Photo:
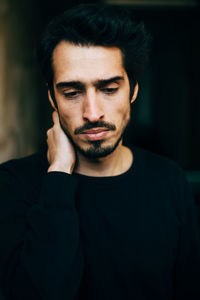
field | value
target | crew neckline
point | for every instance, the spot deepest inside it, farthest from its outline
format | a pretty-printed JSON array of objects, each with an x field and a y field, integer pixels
[{"x": 110, "y": 179}]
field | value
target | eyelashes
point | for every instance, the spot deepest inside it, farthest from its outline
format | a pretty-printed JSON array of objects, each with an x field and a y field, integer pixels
[{"x": 76, "y": 94}]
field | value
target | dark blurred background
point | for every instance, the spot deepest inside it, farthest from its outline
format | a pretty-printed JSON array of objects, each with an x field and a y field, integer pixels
[{"x": 166, "y": 115}]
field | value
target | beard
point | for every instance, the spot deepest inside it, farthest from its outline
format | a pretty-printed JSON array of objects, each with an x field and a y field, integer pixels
[{"x": 96, "y": 149}]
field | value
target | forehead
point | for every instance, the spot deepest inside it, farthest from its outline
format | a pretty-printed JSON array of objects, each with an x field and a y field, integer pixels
[{"x": 73, "y": 62}]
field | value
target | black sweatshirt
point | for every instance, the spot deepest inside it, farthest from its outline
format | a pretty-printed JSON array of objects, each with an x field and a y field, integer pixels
[{"x": 132, "y": 236}]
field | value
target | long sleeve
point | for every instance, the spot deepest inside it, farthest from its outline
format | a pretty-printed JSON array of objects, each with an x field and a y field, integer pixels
[
  {"x": 187, "y": 269},
  {"x": 40, "y": 251}
]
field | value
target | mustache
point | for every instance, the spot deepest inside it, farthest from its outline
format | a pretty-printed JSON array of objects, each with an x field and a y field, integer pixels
[{"x": 92, "y": 125}]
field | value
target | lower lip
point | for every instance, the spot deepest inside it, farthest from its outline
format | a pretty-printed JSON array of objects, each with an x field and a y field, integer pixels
[{"x": 95, "y": 136}]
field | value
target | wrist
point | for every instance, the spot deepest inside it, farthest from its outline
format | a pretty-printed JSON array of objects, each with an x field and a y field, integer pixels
[{"x": 60, "y": 168}]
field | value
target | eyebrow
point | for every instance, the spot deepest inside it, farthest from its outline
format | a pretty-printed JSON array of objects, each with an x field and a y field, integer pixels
[{"x": 79, "y": 85}]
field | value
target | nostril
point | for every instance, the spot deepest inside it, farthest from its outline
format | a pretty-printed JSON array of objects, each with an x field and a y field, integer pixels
[
  {"x": 92, "y": 117},
  {"x": 93, "y": 113}
]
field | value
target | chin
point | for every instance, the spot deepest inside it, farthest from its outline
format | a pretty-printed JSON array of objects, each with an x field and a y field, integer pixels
[{"x": 97, "y": 150}]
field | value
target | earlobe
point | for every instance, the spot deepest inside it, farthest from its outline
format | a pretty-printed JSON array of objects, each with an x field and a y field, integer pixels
[{"x": 135, "y": 93}]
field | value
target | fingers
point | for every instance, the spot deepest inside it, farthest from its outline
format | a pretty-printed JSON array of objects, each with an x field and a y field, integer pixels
[{"x": 55, "y": 118}]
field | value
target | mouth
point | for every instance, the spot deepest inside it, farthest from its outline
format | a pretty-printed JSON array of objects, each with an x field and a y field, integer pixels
[{"x": 95, "y": 134}]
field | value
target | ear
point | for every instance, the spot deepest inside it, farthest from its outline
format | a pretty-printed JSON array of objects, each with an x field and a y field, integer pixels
[
  {"x": 51, "y": 100},
  {"x": 135, "y": 92}
]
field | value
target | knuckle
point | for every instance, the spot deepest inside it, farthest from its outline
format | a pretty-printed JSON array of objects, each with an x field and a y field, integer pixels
[{"x": 48, "y": 132}]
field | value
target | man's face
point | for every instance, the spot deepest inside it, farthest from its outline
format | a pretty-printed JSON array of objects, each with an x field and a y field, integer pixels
[{"x": 93, "y": 96}]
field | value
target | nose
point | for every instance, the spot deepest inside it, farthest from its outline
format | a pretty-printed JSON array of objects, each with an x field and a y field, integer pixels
[{"x": 92, "y": 107}]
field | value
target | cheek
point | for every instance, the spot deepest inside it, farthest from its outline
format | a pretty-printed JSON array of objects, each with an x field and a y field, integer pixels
[
  {"x": 123, "y": 113},
  {"x": 66, "y": 117}
]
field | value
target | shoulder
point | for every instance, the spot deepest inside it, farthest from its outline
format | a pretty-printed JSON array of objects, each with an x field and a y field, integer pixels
[
  {"x": 160, "y": 172},
  {"x": 156, "y": 165},
  {"x": 165, "y": 177},
  {"x": 29, "y": 168},
  {"x": 21, "y": 181}
]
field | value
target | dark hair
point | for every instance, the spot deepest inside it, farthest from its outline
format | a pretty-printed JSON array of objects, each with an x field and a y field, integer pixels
[{"x": 97, "y": 25}]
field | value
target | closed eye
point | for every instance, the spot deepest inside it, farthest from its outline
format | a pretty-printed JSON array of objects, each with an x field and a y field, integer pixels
[
  {"x": 72, "y": 94},
  {"x": 109, "y": 90}
]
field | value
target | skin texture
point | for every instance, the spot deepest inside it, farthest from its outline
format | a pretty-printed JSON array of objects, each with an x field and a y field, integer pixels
[{"x": 93, "y": 112}]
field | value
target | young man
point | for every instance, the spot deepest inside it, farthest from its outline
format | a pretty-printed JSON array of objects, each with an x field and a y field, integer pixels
[{"x": 91, "y": 218}]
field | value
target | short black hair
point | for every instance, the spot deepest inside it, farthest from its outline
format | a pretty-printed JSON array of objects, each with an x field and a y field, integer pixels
[{"x": 97, "y": 25}]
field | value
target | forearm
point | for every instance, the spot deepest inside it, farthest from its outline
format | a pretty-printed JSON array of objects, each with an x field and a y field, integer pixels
[{"x": 49, "y": 257}]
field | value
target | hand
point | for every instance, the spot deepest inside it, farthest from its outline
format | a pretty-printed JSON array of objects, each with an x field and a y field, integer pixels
[{"x": 61, "y": 154}]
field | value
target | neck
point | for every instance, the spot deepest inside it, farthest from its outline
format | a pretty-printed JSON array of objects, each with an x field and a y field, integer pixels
[{"x": 116, "y": 163}]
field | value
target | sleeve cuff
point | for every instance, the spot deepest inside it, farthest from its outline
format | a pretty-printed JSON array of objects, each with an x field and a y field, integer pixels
[{"x": 58, "y": 190}]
